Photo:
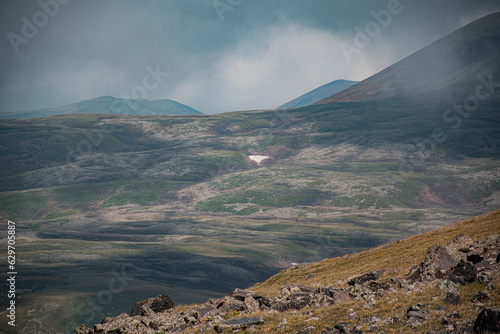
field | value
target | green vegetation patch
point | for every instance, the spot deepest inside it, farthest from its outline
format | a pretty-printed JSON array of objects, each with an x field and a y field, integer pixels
[{"x": 228, "y": 202}]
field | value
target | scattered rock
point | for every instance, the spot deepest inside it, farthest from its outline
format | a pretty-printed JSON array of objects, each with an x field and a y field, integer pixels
[
  {"x": 373, "y": 276},
  {"x": 370, "y": 302},
  {"x": 310, "y": 275},
  {"x": 306, "y": 330},
  {"x": 451, "y": 298},
  {"x": 337, "y": 295},
  {"x": 463, "y": 327},
  {"x": 454, "y": 315},
  {"x": 463, "y": 273},
  {"x": 342, "y": 327},
  {"x": 281, "y": 324},
  {"x": 229, "y": 304},
  {"x": 240, "y": 294},
  {"x": 488, "y": 321},
  {"x": 391, "y": 321},
  {"x": 480, "y": 296},
  {"x": 484, "y": 276},
  {"x": 460, "y": 262},
  {"x": 241, "y": 323},
  {"x": 479, "y": 306},
  {"x": 83, "y": 330},
  {"x": 156, "y": 304},
  {"x": 490, "y": 286},
  {"x": 459, "y": 246},
  {"x": 447, "y": 285},
  {"x": 416, "y": 315},
  {"x": 437, "y": 260}
]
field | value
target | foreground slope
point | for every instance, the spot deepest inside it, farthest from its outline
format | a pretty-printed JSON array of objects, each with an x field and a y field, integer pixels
[
  {"x": 446, "y": 71},
  {"x": 455, "y": 292},
  {"x": 110, "y": 105}
]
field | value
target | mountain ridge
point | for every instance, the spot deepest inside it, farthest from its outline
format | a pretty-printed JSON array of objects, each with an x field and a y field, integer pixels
[
  {"x": 109, "y": 104},
  {"x": 318, "y": 94}
]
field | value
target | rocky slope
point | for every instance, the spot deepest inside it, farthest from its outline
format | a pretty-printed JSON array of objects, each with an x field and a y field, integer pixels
[{"x": 453, "y": 288}]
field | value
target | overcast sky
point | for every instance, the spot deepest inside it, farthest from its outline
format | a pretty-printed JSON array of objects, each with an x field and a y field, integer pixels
[{"x": 220, "y": 55}]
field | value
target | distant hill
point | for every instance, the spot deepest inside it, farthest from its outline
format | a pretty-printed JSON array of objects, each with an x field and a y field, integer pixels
[
  {"x": 446, "y": 71},
  {"x": 318, "y": 94},
  {"x": 110, "y": 105}
]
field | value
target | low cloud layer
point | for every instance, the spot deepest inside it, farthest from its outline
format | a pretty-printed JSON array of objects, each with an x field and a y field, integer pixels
[{"x": 250, "y": 55}]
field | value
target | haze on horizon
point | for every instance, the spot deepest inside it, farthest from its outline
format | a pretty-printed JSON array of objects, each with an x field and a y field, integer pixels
[{"x": 240, "y": 55}]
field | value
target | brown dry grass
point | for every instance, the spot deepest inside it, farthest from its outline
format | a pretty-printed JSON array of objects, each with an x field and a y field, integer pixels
[{"x": 395, "y": 258}]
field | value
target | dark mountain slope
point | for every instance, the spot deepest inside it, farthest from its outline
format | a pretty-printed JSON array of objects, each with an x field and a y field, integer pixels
[{"x": 445, "y": 71}]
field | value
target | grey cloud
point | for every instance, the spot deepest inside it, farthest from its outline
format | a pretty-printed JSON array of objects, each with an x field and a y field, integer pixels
[{"x": 95, "y": 47}]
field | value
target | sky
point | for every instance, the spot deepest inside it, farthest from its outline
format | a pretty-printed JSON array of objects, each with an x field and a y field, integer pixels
[{"x": 213, "y": 55}]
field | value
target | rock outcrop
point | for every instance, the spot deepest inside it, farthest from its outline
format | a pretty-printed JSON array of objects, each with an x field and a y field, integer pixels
[{"x": 460, "y": 262}]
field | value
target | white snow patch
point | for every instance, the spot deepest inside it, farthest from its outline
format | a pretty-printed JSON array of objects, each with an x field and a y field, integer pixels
[{"x": 258, "y": 158}]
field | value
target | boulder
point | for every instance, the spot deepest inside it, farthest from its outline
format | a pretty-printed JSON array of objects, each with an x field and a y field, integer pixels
[
  {"x": 463, "y": 273},
  {"x": 83, "y": 330},
  {"x": 434, "y": 266},
  {"x": 230, "y": 304},
  {"x": 307, "y": 330},
  {"x": 240, "y": 294},
  {"x": 251, "y": 304},
  {"x": 298, "y": 288},
  {"x": 391, "y": 321},
  {"x": 451, "y": 298},
  {"x": 205, "y": 309},
  {"x": 157, "y": 304},
  {"x": 459, "y": 246},
  {"x": 373, "y": 276},
  {"x": 241, "y": 323},
  {"x": 479, "y": 296},
  {"x": 337, "y": 295},
  {"x": 463, "y": 327},
  {"x": 486, "y": 252},
  {"x": 416, "y": 315},
  {"x": 294, "y": 301},
  {"x": 488, "y": 321}
]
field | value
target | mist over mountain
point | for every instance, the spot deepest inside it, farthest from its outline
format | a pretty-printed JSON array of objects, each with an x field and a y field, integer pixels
[
  {"x": 446, "y": 71},
  {"x": 318, "y": 94},
  {"x": 110, "y": 105}
]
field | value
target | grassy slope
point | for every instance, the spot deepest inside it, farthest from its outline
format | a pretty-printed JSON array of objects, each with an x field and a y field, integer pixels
[{"x": 397, "y": 257}]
